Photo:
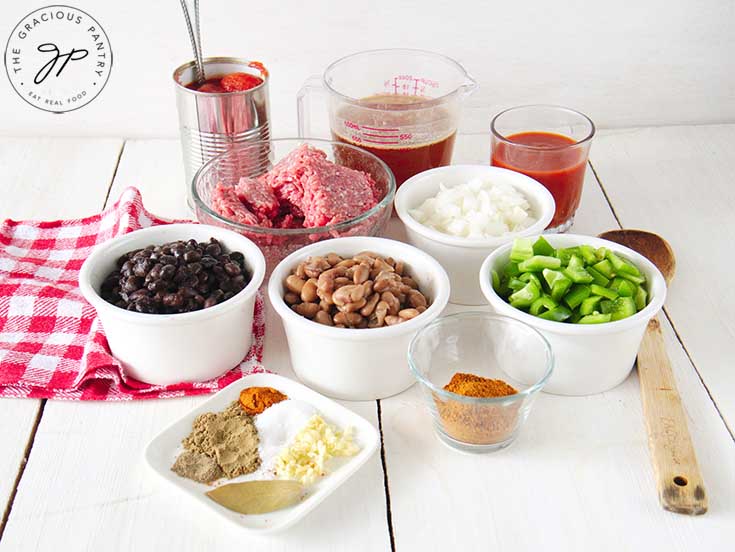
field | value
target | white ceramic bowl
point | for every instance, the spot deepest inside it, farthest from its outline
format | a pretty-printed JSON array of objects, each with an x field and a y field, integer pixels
[
  {"x": 357, "y": 364},
  {"x": 589, "y": 358},
  {"x": 163, "y": 349},
  {"x": 462, "y": 257}
]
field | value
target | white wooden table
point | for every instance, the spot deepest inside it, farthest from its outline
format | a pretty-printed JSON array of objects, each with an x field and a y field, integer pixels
[{"x": 579, "y": 477}]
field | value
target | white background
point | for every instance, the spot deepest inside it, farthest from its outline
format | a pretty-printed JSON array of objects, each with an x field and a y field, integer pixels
[{"x": 625, "y": 63}]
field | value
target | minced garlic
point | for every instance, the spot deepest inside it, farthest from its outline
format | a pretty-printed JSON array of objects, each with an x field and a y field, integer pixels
[{"x": 304, "y": 459}]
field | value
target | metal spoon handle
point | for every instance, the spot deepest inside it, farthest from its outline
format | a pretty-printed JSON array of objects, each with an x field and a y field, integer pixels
[{"x": 194, "y": 39}]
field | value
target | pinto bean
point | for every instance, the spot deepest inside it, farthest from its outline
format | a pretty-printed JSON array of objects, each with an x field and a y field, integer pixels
[
  {"x": 294, "y": 284},
  {"x": 308, "y": 291},
  {"x": 364, "y": 291}
]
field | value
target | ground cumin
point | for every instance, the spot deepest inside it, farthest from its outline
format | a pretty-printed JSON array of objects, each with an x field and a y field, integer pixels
[
  {"x": 229, "y": 438},
  {"x": 255, "y": 400},
  {"x": 479, "y": 424}
]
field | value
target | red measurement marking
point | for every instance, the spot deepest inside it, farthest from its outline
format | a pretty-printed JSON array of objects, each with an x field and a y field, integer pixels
[
  {"x": 379, "y": 142},
  {"x": 381, "y": 135},
  {"x": 382, "y": 129}
]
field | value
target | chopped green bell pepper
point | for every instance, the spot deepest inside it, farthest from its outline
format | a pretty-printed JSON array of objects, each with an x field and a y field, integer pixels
[
  {"x": 511, "y": 269},
  {"x": 542, "y": 303},
  {"x": 576, "y": 295},
  {"x": 516, "y": 283},
  {"x": 622, "y": 307},
  {"x": 526, "y": 296},
  {"x": 566, "y": 253},
  {"x": 528, "y": 276},
  {"x": 620, "y": 265},
  {"x": 638, "y": 280},
  {"x": 597, "y": 278},
  {"x": 605, "y": 268},
  {"x": 557, "y": 314},
  {"x": 641, "y": 298},
  {"x": 588, "y": 254},
  {"x": 522, "y": 249},
  {"x": 589, "y": 305},
  {"x": 538, "y": 262},
  {"x": 557, "y": 282},
  {"x": 595, "y": 319},
  {"x": 604, "y": 292},
  {"x": 623, "y": 287},
  {"x": 542, "y": 247},
  {"x": 578, "y": 275}
]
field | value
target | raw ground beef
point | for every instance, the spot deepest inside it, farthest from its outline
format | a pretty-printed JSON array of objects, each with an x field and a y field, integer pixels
[
  {"x": 304, "y": 189},
  {"x": 258, "y": 197},
  {"x": 227, "y": 204}
]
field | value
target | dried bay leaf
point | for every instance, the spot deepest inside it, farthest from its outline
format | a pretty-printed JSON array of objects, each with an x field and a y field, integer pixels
[{"x": 258, "y": 497}]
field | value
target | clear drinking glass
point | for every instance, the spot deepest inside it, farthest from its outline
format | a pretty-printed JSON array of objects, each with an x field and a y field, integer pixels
[
  {"x": 401, "y": 105},
  {"x": 550, "y": 144},
  {"x": 487, "y": 345}
]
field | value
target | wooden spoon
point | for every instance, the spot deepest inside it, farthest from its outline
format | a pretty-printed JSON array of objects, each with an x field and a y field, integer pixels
[{"x": 679, "y": 482}]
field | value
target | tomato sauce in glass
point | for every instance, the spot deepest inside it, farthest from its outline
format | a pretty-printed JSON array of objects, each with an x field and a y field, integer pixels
[{"x": 549, "y": 160}]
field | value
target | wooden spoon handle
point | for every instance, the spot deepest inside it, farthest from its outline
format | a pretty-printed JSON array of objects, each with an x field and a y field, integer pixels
[{"x": 679, "y": 482}]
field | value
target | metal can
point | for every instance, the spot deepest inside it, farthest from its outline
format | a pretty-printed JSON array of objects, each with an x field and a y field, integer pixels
[{"x": 212, "y": 123}]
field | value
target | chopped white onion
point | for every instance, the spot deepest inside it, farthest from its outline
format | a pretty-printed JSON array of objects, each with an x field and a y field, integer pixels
[{"x": 479, "y": 208}]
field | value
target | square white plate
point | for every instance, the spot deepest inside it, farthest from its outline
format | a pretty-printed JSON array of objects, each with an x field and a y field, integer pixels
[{"x": 163, "y": 449}]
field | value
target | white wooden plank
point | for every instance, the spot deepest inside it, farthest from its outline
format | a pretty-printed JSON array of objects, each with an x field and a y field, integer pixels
[
  {"x": 51, "y": 178},
  {"x": 579, "y": 477},
  {"x": 156, "y": 169},
  {"x": 678, "y": 181},
  {"x": 45, "y": 179},
  {"x": 79, "y": 443}
]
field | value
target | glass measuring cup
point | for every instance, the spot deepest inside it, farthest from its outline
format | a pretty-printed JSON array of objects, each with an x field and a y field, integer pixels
[{"x": 401, "y": 105}]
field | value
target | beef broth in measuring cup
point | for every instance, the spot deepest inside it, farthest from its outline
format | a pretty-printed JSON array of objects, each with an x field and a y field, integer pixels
[
  {"x": 401, "y": 130},
  {"x": 400, "y": 105}
]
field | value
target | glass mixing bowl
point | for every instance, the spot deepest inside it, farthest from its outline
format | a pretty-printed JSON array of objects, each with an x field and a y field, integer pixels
[
  {"x": 256, "y": 158},
  {"x": 487, "y": 345}
]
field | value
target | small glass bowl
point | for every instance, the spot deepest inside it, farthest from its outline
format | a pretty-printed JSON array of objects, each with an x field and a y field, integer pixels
[
  {"x": 487, "y": 345},
  {"x": 255, "y": 158}
]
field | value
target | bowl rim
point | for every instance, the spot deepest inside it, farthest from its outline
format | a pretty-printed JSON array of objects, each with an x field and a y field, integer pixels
[
  {"x": 534, "y": 188},
  {"x": 372, "y": 243},
  {"x": 649, "y": 311},
  {"x": 537, "y": 386},
  {"x": 251, "y": 252},
  {"x": 387, "y": 199}
]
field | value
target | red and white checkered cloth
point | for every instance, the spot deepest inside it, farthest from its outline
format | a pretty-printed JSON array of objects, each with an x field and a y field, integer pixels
[{"x": 52, "y": 344}]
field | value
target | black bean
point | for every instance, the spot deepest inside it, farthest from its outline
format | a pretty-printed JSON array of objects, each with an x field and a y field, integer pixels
[
  {"x": 213, "y": 249},
  {"x": 238, "y": 282},
  {"x": 178, "y": 276},
  {"x": 157, "y": 285},
  {"x": 208, "y": 261},
  {"x": 232, "y": 269},
  {"x": 131, "y": 283},
  {"x": 238, "y": 258},
  {"x": 193, "y": 256},
  {"x": 155, "y": 272},
  {"x": 195, "y": 267}
]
